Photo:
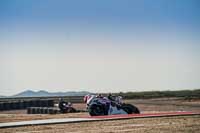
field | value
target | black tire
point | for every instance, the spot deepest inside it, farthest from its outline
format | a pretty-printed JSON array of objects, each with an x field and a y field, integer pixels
[
  {"x": 72, "y": 110},
  {"x": 96, "y": 110},
  {"x": 130, "y": 109}
]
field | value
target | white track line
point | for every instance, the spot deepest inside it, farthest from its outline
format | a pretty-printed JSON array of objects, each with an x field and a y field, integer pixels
[{"x": 73, "y": 120}]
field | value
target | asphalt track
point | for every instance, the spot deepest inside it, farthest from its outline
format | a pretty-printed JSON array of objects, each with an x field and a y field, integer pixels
[{"x": 96, "y": 118}]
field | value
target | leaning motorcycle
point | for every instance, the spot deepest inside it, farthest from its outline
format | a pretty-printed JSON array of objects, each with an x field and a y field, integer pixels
[{"x": 98, "y": 106}]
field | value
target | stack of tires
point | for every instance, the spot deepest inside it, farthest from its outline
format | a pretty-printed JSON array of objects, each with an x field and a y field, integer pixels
[
  {"x": 42, "y": 110},
  {"x": 15, "y": 105}
]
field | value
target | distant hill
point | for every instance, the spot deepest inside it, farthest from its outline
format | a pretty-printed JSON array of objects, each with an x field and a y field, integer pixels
[
  {"x": 42, "y": 93},
  {"x": 2, "y": 96}
]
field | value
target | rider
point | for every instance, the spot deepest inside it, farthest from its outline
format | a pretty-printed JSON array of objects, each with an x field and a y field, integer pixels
[
  {"x": 115, "y": 101},
  {"x": 64, "y": 106},
  {"x": 110, "y": 97},
  {"x": 89, "y": 98},
  {"x": 61, "y": 105}
]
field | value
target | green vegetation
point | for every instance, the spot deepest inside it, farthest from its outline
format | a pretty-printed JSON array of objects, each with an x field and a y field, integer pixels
[{"x": 187, "y": 94}]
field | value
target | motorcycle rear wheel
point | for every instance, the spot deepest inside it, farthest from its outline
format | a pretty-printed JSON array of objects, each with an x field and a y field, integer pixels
[{"x": 130, "y": 109}]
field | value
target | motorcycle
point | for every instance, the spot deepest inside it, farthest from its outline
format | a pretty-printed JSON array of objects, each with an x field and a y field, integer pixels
[
  {"x": 66, "y": 107},
  {"x": 98, "y": 106}
]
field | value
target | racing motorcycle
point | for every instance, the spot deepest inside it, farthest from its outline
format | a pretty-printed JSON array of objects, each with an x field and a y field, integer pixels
[
  {"x": 66, "y": 107},
  {"x": 98, "y": 106}
]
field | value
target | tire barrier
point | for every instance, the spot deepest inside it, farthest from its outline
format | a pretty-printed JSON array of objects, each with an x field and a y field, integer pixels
[
  {"x": 50, "y": 103},
  {"x": 42, "y": 110},
  {"x": 6, "y": 106},
  {"x": 47, "y": 110},
  {"x": 73, "y": 99},
  {"x": 1, "y": 106},
  {"x": 15, "y": 105}
]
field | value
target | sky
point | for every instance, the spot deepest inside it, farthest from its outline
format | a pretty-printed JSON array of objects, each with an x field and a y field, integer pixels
[{"x": 99, "y": 45}]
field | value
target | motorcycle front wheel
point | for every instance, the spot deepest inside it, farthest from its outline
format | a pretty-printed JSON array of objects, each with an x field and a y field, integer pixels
[{"x": 96, "y": 110}]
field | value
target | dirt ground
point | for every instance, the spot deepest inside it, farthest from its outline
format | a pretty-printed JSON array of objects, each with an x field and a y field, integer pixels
[
  {"x": 21, "y": 115},
  {"x": 181, "y": 124},
  {"x": 151, "y": 125}
]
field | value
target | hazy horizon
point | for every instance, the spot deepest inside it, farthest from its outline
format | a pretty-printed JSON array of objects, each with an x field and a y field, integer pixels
[
  {"x": 99, "y": 46},
  {"x": 92, "y": 92}
]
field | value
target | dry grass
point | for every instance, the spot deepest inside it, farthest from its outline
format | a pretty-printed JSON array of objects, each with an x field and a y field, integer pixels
[
  {"x": 181, "y": 124},
  {"x": 24, "y": 117}
]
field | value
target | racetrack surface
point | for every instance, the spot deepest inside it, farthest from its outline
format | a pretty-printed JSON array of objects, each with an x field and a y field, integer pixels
[
  {"x": 94, "y": 118},
  {"x": 178, "y": 124},
  {"x": 182, "y": 124}
]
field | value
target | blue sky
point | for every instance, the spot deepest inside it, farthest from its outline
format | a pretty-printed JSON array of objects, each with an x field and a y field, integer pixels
[{"x": 98, "y": 46}]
